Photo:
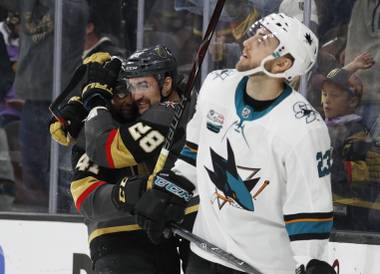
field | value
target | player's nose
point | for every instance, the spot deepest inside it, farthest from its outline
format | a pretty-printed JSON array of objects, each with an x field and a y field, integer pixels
[
  {"x": 137, "y": 95},
  {"x": 248, "y": 42}
]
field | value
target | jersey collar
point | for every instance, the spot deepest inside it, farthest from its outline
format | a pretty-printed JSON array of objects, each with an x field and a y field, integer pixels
[{"x": 246, "y": 111}]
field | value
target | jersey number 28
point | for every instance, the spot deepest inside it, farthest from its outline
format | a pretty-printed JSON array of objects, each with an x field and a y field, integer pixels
[{"x": 148, "y": 140}]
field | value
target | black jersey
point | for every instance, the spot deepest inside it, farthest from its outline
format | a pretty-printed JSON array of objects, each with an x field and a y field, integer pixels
[
  {"x": 114, "y": 146},
  {"x": 104, "y": 154}
]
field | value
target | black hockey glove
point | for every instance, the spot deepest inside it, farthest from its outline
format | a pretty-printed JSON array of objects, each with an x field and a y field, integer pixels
[
  {"x": 165, "y": 203},
  {"x": 128, "y": 191},
  {"x": 101, "y": 79},
  {"x": 316, "y": 267},
  {"x": 73, "y": 114}
]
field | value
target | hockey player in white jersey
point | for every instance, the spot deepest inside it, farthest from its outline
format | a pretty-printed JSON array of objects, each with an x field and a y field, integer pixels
[{"x": 259, "y": 156}]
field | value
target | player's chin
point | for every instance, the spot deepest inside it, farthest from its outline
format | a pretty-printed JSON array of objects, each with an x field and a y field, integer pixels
[
  {"x": 238, "y": 65},
  {"x": 242, "y": 66},
  {"x": 126, "y": 112}
]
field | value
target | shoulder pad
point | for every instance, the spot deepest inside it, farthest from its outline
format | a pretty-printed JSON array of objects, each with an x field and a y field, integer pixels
[{"x": 160, "y": 114}]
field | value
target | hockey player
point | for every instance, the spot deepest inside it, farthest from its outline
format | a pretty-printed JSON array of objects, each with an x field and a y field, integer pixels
[
  {"x": 112, "y": 153},
  {"x": 259, "y": 156}
]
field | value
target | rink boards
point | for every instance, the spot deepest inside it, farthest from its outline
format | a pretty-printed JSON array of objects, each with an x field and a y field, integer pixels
[{"x": 60, "y": 247}]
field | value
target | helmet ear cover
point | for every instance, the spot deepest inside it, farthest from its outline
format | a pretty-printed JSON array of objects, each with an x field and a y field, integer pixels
[{"x": 160, "y": 78}]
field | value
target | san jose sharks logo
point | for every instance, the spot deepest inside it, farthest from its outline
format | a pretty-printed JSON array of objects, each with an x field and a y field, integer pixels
[
  {"x": 304, "y": 110},
  {"x": 230, "y": 187}
]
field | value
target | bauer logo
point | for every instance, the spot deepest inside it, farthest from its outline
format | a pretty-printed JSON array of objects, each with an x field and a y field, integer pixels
[{"x": 2, "y": 261}]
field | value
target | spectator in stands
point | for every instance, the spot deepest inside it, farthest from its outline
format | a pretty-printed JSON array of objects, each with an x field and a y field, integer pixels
[
  {"x": 333, "y": 17},
  {"x": 225, "y": 48},
  {"x": 295, "y": 8},
  {"x": 341, "y": 94},
  {"x": 10, "y": 105},
  {"x": 364, "y": 35},
  {"x": 7, "y": 185},
  {"x": 34, "y": 82},
  {"x": 98, "y": 37}
]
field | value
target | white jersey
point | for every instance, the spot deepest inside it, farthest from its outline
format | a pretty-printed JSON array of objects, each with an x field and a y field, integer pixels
[{"x": 262, "y": 176}]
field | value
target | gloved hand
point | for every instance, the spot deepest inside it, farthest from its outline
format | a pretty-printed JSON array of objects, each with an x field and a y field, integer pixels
[
  {"x": 101, "y": 79},
  {"x": 128, "y": 191},
  {"x": 316, "y": 267},
  {"x": 73, "y": 114},
  {"x": 165, "y": 203}
]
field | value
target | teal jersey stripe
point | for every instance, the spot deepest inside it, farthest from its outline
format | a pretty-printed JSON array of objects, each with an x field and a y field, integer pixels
[{"x": 308, "y": 227}]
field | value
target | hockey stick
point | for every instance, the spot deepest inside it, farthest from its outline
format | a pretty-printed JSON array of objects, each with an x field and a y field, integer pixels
[
  {"x": 209, "y": 247},
  {"x": 202, "y": 49},
  {"x": 203, "y": 244},
  {"x": 61, "y": 98}
]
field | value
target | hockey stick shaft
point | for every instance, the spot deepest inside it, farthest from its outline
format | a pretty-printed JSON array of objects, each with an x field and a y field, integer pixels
[
  {"x": 62, "y": 97},
  {"x": 209, "y": 247},
  {"x": 201, "y": 52},
  {"x": 205, "y": 245}
]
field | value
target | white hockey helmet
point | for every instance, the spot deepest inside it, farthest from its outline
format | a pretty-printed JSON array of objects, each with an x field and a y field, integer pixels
[{"x": 295, "y": 39}]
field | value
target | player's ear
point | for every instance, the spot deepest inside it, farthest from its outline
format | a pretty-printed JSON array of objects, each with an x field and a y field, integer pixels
[
  {"x": 167, "y": 86},
  {"x": 282, "y": 64}
]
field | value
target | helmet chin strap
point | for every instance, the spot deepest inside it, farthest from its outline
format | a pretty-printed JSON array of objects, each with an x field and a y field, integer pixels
[{"x": 261, "y": 68}]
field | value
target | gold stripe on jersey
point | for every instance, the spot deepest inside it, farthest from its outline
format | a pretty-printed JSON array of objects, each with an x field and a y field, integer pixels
[
  {"x": 113, "y": 229},
  {"x": 191, "y": 209},
  {"x": 81, "y": 188},
  {"x": 118, "y": 154},
  {"x": 310, "y": 220}
]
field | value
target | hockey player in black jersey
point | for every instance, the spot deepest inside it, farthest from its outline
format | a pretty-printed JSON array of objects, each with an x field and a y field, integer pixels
[{"x": 116, "y": 143}]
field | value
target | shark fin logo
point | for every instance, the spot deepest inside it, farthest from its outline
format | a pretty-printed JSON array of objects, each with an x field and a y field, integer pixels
[{"x": 230, "y": 187}]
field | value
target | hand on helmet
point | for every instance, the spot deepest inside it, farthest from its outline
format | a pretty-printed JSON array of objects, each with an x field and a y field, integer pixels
[{"x": 101, "y": 79}]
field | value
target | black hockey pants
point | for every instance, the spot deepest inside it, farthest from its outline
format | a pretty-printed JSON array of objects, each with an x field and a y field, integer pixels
[{"x": 139, "y": 261}]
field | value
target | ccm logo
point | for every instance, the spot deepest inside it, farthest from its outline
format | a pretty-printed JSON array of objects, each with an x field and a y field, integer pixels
[{"x": 173, "y": 188}]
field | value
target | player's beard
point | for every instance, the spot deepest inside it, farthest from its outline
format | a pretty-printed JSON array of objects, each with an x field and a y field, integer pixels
[{"x": 244, "y": 65}]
